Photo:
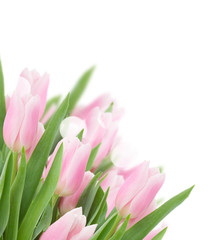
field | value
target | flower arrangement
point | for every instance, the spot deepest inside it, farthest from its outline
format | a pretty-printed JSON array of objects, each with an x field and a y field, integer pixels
[{"x": 57, "y": 177}]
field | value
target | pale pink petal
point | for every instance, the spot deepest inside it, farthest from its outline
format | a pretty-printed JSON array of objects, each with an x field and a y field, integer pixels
[
  {"x": 30, "y": 122},
  {"x": 132, "y": 186},
  {"x": 12, "y": 123},
  {"x": 146, "y": 195},
  {"x": 85, "y": 234}
]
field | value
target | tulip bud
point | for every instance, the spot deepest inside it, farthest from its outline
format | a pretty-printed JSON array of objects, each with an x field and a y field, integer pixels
[
  {"x": 139, "y": 190},
  {"x": 71, "y": 226},
  {"x": 75, "y": 157},
  {"x": 68, "y": 203}
]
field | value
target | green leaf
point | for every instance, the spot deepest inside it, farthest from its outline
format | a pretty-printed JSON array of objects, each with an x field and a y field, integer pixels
[
  {"x": 39, "y": 157},
  {"x": 1, "y": 163},
  {"x": 41, "y": 200},
  {"x": 110, "y": 108},
  {"x": 79, "y": 89},
  {"x": 105, "y": 164},
  {"x": 145, "y": 225},
  {"x": 5, "y": 198},
  {"x": 15, "y": 200},
  {"x": 52, "y": 101},
  {"x": 160, "y": 235},
  {"x": 86, "y": 199},
  {"x": 80, "y": 135},
  {"x": 97, "y": 206},
  {"x": 44, "y": 221},
  {"x": 2, "y": 106},
  {"x": 120, "y": 232},
  {"x": 92, "y": 157},
  {"x": 105, "y": 228}
]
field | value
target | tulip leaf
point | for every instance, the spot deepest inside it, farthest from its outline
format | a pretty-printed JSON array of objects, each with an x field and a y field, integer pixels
[
  {"x": 80, "y": 135},
  {"x": 44, "y": 221},
  {"x": 92, "y": 157},
  {"x": 1, "y": 162},
  {"x": 15, "y": 200},
  {"x": 144, "y": 226},
  {"x": 86, "y": 199},
  {"x": 79, "y": 89},
  {"x": 121, "y": 230},
  {"x": 105, "y": 228},
  {"x": 97, "y": 206},
  {"x": 105, "y": 164},
  {"x": 110, "y": 108},
  {"x": 51, "y": 102},
  {"x": 2, "y": 106},
  {"x": 160, "y": 235},
  {"x": 40, "y": 155},
  {"x": 3, "y": 174},
  {"x": 5, "y": 198},
  {"x": 41, "y": 200}
]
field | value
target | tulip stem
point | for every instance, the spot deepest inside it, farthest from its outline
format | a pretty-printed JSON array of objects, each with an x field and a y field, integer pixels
[
  {"x": 112, "y": 230},
  {"x": 15, "y": 158}
]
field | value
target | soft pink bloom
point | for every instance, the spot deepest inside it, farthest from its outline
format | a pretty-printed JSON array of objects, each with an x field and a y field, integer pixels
[
  {"x": 114, "y": 181},
  {"x": 68, "y": 203},
  {"x": 72, "y": 226},
  {"x": 39, "y": 86},
  {"x": 75, "y": 157},
  {"x": 139, "y": 190},
  {"x": 24, "y": 109}
]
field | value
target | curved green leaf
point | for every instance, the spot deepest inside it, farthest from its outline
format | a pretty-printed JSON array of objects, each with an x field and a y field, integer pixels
[
  {"x": 15, "y": 200},
  {"x": 121, "y": 230},
  {"x": 41, "y": 200},
  {"x": 52, "y": 101},
  {"x": 5, "y": 198},
  {"x": 39, "y": 157},
  {"x": 144, "y": 226},
  {"x": 160, "y": 235},
  {"x": 2, "y": 106},
  {"x": 92, "y": 156},
  {"x": 79, "y": 89}
]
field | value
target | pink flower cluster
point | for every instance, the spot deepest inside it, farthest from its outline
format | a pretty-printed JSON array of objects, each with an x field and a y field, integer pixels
[{"x": 132, "y": 191}]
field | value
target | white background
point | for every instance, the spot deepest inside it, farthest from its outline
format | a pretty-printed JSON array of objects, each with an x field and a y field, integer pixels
[{"x": 155, "y": 57}]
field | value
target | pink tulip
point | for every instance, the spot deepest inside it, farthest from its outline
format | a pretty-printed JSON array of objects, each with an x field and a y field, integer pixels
[
  {"x": 72, "y": 226},
  {"x": 75, "y": 157},
  {"x": 48, "y": 114},
  {"x": 39, "y": 86},
  {"x": 114, "y": 181},
  {"x": 139, "y": 190},
  {"x": 154, "y": 232},
  {"x": 68, "y": 203},
  {"x": 24, "y": 109}
]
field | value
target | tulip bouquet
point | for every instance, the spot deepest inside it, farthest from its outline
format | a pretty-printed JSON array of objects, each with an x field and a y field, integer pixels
[{"x": 58, "y": 177}]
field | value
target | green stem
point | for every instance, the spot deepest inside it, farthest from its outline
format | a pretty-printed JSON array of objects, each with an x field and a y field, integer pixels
[
  {"x": 15, "y": 158},
  {"x": 112, "y": 230}
]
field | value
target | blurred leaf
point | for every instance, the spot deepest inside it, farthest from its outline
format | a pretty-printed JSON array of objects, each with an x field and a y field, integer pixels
[
  {"x": 145, "y": 225},
  {"x": 52, "y": 101},
  {"x": 39, "y": 157},
  {"x": 110, "y": 108},
  {"x": 44, "y": 221},
  {"x": 15, "y": 200},
  {"x": 105, "y": 228},
  {"x": 92, "y": 157},
  {"x": 160, "y": 235},
  {"x": 121, "y": 230},
  {"x": 79, "y": 89},
  {"x": 105, "y": 164},
  {"x": 2, "y": 106},
  {"x": 41, "y": 200},
  {"x": 97, "y": 206},
  {"x": 5, "y": 198},
  {"x": 80, "y": 135}
]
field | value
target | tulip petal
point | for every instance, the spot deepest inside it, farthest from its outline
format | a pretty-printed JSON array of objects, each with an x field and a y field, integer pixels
[
  {"x": 30, "y": 122},
  {"x": 85, "y": 234}
]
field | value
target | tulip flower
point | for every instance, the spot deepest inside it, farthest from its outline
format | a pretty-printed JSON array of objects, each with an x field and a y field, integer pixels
[
  {"x": 24, "y": 109},
  {"x": 114, "y": 181},
  {"x": 139, "y": 190},
  {"x": 75, "y": 157},
  {"x": 71, "y": 226},
  {"x": 68, "y": 203}
]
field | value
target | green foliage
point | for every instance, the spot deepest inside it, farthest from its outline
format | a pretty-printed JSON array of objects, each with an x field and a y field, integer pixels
[
  {"x": 5, "y": 196},
  {"x": 41, "y": 200},
  {"x": 15, "y": 200},
  {"x": 92, "y": 157},
  {"x": 160, "y": 235},
  {"x": 144, "y": 226},
  {"x": 2, "y": 105}
]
